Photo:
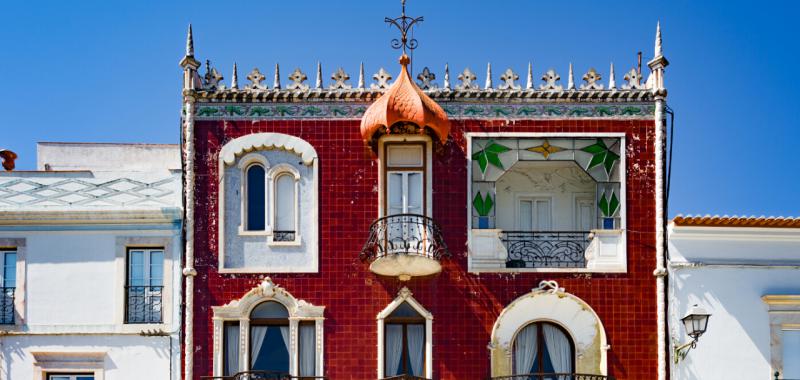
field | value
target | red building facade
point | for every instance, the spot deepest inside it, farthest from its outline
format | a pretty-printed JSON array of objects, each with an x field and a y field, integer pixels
[{"x": 404, "y": 228}]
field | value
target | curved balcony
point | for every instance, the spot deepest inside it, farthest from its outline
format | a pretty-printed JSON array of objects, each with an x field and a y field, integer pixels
[
  {"x": 263, "y": 375},
  {"x": 404, "y": 246},
  {"x": 553, "y": 376}
]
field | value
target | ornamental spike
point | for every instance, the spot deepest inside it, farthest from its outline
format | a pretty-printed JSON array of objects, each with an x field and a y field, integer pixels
[
  {"x": 189, "y": 43},
  {"x": 529, "y": 83},
  {"x": 612, "y": 83},
  {"x": 361, "y": 76},
  {"x": 235, "y": 78},
  {"x": 571, "y": 79},
  {"x": 658, "y": 49},
  {"x": 446, "y": 77},
  {"x": 488, "y": 85},
  {"x": 319, "y": 76},
  {"x": 276, "y": 84}
]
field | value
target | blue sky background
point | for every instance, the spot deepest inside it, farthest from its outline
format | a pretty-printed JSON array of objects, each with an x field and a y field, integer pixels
[{"x": 106, "y": 71}]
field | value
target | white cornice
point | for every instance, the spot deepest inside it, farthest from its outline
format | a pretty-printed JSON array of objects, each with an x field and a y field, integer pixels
[{"x": 54, "y": 217}]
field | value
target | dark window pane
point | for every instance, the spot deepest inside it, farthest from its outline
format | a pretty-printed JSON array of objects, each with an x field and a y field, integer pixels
[
  {"x": 255, "y": 198},
  {"x": 404, "y": 310},
  {"x": 273, "y": 355},
  {"x": 269, "y": 309}
]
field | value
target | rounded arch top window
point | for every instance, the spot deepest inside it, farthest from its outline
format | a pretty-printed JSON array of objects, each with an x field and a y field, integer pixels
[
  {"x": 256, "y": 198},
  {"x": 269, "y": 338},
  {"x": 269, "y": 310},
  {"x": 543, "y": 348}
]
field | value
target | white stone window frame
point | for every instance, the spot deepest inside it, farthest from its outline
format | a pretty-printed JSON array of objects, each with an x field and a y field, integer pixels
[
  {"x": 239, "y": 311},
  {"x": 488, "y": 240},
  {"x": 68, "y": 362},
  {"x": 18, "y": 245},
  {"x": 122, "y": 245},
  {"x": 244, "y": 165},
  {"x": 428, "y": 157},
  {"x": 784, "y": 314},
  {"x": 240, "y": 148},
  {"x": 550, "y": 303},
  {"x": 405, "y": 295},
  {"x": 272, "y": 217}
]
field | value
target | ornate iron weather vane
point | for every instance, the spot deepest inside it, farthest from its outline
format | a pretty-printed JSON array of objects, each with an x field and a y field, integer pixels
[{"x": 404, "y": 24}]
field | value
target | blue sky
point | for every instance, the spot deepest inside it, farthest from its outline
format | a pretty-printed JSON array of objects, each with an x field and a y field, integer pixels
[{"x": 107, "y": 71}]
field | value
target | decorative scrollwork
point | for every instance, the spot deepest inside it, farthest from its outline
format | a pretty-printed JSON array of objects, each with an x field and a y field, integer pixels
[
  {"x": 545, "y": 249},
  {"x": 7, "y": 306},
  {"x": 404, "y": 25},
  {"x": 144, "y": 304},
  {"x": 404, "y": 234}
]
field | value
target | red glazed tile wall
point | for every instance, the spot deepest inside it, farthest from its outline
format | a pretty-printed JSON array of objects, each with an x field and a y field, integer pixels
[{"x": 464, "y": 305}]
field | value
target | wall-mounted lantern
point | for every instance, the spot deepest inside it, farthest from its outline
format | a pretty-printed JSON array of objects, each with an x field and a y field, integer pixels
[{"x": 695, "y": 322}]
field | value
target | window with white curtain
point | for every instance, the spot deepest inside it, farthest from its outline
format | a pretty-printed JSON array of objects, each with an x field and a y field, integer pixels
[
  {"x": 269, "y": 338},
  {"x": 255, "y": 192},
  {"x": 231, "y": 348},
  {"x": 404, "y": 346},
  {"x": 285, "y": 207},
  {"x": 543, "y": 347}
]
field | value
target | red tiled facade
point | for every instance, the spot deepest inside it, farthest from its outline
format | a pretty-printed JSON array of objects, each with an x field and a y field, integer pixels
[{"x": 464, "y": 305}]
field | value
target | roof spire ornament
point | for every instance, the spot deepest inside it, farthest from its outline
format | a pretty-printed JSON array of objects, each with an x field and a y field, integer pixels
[
  {"x": 658, "y": 49},
  {"x": 361, "y": 76},
  {"x": 189, "y": 43},
  {"x": 404, "y": 25},
  {"x": 319, "y": 76},
  {"x": 529, "y": 84},
  {"x": 276, "y": 83},
  {"x": 446, "y": 77},
  {"x": 488, "y": 85},
  {"x": 612, "y": 82},
  {"x": 657, "y": 64},
  {"x": 235, "y": 78}
]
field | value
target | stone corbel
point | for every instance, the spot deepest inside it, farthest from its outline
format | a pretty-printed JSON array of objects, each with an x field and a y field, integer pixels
[
  {"x": 606, "y": 251},
  {"x": 486, "y": 249}
]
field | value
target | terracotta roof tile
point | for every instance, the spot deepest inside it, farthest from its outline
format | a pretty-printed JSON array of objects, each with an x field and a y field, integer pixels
[{"x": 736, "y": 221}]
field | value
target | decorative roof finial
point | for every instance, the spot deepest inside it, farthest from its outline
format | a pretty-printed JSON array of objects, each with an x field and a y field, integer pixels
[
  {"x": 529, "y": 84},
  {"x": 404, "y": 25},
  {"x": 361, "y": 76},
  {"x": 8, "y": 158},
  {"x": 190, "y": 43},
  {"x": 658, "y": 50},
  {"x": 276, "y": 83},
  {"x": 446, "y": 77},
  {"x": 571, "y": 79},
  {"x": 319, "y": 76},
  {"x": 488, "y": 84},
  {"x": 612, "y": 82},
  {"x": 235, "y": 78}
]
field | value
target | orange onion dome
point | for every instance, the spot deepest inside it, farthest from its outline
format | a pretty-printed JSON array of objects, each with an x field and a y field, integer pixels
[{"x": 404, "y": 101}]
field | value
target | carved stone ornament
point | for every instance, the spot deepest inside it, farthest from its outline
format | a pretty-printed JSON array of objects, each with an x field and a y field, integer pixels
[
  {"x": 508, "y": 78},
  {"x": 340, "y": 79},
  {"x": 592, "y": 78},
  {"x": 551, "y": 79},
  {"x": 634, "y": 81},
  {"x": 467, "y": 78},
  {"x": 551, "y": 286},
  {"x": 426, "y": 78},
  {"x": 297, "y": 77},
  {"x": 212, "y": 79},
  {"x": 382, "y": 77},
  {"x": 255, "y": 77}
]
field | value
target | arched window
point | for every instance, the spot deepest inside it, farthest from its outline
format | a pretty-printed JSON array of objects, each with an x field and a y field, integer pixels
[
  {"x": 255, "y": 196},
  {"x": 269, "y": 338},
  {"x": 404, "y": 346},
  {"x": 285, "y": 207},
  {"x": 543, "y": 348}
]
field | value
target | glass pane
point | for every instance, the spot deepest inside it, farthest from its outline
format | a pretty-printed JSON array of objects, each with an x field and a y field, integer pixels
[
  {"x": 307, "y": 350},
  {"x": 272, "y": 355},
  {"x": 405, "y": 155},
  {"x": 284, "y": 203},
  {"x": 136, "y": 268},
  {"x": 543, "y": 215},
  {"x": 270, "y": 309},
  {"x": 231, "y": 349},
  {"x": 59, "y": 377},
  {"x": 394, "y": 192},
  {"x": 404, "y": 310},
  {"x": 525, "y": 215},
  {"x": 255, "y": 198},
  {"x": 156, "y": 268},
  {"x": 415, "y": 192},
  {"x": 585, "y": 208},
  {"x": 10, "y": 270},
  {"x": 791, "y": 354},
  {"x": 83, "y": 377}
]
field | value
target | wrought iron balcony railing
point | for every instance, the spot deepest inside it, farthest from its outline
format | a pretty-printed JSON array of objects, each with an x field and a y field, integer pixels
[
  {"x": 263, "y": 375},
  {"x": 404, "y": 234},
  {"x": 283, "y": 235},
  {"x": 143, "y": 304},
  {"x": 405, "y": 377},
  {"x": 553, "y": 376},
  {"x": 7, "y": 306},
  {"x": 550, "y": 249}
]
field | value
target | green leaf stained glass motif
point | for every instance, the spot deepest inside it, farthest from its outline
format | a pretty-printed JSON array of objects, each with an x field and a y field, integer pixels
[
  {"x": 601, "y": 155},
  {"x": 608, "y": 207},
  {"x": 483, "y": 205},
  {"x": 489, "y": 155}
]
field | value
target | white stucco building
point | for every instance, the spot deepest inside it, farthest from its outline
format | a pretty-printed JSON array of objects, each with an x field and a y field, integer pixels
[
  {"x": 91, "y": 250},
  {"x": 746, "y": 273}
]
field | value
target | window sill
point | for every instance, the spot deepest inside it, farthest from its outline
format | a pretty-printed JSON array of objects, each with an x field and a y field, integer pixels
[{"x": 266, "y": 232}]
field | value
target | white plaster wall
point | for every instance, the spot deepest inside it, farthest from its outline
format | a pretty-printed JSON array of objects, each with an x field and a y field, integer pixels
[
  {"x": 737, "y": 343},
  {"x": 561, "y": 181},
  {"x": 107, "y": 156},
  {"x": 253, "y": 251},
  {"x": 127, "y": 357}
]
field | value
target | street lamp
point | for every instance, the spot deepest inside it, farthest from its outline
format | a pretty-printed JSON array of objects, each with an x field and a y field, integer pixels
[{"x": 695, "y": 322}]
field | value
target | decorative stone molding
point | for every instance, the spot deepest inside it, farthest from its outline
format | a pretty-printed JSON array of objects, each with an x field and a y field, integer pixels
[
  {"x": 467, "y": 78},
  {"x": 340, "y": 79},
  {"x": 784, "y": 314},
  {"x": 382, "y": 77},
  {"x": 508, "y": 79},
  {"x": 550, "y": 303},
  {"x": 426, "y": 78},
  {"x": 592, "y": 78},
  {"x": 297, "y": 77},
  {"x": 239, "y": 311},
  {"x": 238, "y": 146},
  {"x": 405, "y": 295},
  {"x": 634, "y": 81},
  {"x": 255, "y": 77},
  {"x": 551, "y": 79},
  {"x": 68, "y": 362}
]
